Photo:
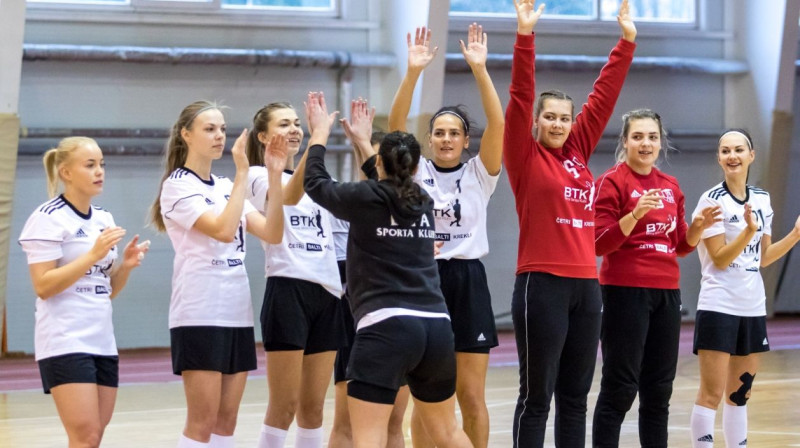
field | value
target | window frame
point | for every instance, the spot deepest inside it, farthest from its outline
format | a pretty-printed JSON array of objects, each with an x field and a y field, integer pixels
[
  {"x": 150, "y": 9},
  {"x": 597, "y": 18}
]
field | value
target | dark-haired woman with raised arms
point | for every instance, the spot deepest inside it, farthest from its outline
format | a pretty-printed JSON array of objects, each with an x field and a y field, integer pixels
[
  {"x": 403, "y": 332},
  {"x": 460, "y": 192},
  {"x": 211, "y": 312},
  {"x": 556, "y": 302}
]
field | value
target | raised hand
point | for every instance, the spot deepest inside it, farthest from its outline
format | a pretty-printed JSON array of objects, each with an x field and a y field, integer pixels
[
  {"x": 707, "y": 217},
  {"x": 108, "y": 238},
  {"x": 317, "y": 113},
  {"x": 420, "y": 53},
  {"x": 750, "y": 217},
  {"x": 475, "y": 51},
  {"x": 275, "y": 154},
  {"x": 359, "y": 127},
  {"x": 527, "y": 15},
  {"x": 239, "y": 153},
  {"x": 626, "y": 22},
  {"x": 649, "y": 200}
]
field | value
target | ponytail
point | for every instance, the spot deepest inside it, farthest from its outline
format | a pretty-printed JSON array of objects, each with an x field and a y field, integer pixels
[
  {"x": 56, "y": 157},
  {"x": 399, "y": 153},
  {"x": 175, "y": 152}
]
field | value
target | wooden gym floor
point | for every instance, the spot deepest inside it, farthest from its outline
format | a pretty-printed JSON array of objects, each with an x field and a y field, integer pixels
[{"x": 150, "y": 408}]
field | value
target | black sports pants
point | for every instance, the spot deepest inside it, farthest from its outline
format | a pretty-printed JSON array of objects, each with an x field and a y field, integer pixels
[
  {"x": 557, "y": 327},
  {"x": 640, "y": 336}
]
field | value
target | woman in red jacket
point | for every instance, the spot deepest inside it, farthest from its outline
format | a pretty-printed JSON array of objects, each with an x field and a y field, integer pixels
[
  {"x": 640, "y": 231},
  {"x": 556, "y": 302}
]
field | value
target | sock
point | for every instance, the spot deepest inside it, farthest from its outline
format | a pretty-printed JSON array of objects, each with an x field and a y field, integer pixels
[
  {"x": 218, "y": 441},
  {"x": 185, "y": 442},
  {"x": 734, "y": 425},
  {"x": 308, "y": 438},
  {"x": 271, "y": 437},
  {"x": 702, "y": 423}
]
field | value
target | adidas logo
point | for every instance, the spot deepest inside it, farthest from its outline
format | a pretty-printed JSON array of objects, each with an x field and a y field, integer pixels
[
  {"x": 636, "y": 194},
  {"x": 743, "y": 442},
  {"x": 428, "y": 182},
  {"x": 763, "y": 343},
  {"x": 706, "y": 438},
  {"x": 734, "y": 219},
  {"x": 481, "y": 338},
  {"x": 209, "y": 201},
  {"x": 80, "y": 234}
]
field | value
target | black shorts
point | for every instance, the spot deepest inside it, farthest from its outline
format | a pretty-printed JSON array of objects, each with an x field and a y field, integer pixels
[
  {"x": 466, "y": 292},
  {"x": 737, "y": 335},
  {"x": 300, "y": 315},
  {"x": 343, "y": 354},
  {"x": 227, "y": 350},
  {"x": 403, "y": 348},
  {"x": 79, "y": 368}
]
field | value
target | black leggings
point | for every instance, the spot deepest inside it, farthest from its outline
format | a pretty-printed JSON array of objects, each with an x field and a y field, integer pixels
[
  {"x": 640, "y": 337},
  {"x": 557, "y": 327}
]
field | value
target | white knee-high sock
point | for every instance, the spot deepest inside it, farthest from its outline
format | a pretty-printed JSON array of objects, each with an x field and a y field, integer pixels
[
  {"x": 185, "y": 442},
  {"x": 308, "y": 438},
  {"x": 702, "y": 423},
  {"x": 218, "y": 441},
  {"x": 734, "y": 425},
  {"x": 271, "y": 437}
]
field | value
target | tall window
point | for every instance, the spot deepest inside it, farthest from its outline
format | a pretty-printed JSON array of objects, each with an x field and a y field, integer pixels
[
  {"x": 238, "y": 4},
  {"x": 677, "y": 11}
]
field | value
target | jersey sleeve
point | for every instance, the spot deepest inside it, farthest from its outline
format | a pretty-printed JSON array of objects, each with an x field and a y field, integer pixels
[
  {"x": 717, "y": 228},
  {"x": 487, "y": 182},
  {"x": 182, "y": 204},
  {"x": 594, "y": 115},
  {"x": 768, "y": 214},
  {"x": 518, "y": 131},
  {"x": 41, "y": 238},
  {"x": 257, "y": 187},
  {"x": 682, "y": 248},
  {"x": 608, "y": 209},
  {"x": 338, "y": 198}
]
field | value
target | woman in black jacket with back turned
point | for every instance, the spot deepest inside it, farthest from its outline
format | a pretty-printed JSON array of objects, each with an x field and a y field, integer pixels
[{"x": 403, "y": 330}]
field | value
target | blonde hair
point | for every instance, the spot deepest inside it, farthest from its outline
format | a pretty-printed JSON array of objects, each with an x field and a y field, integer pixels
[
  {"x": 57, "y": 157},
  {"x": 175, "y": 152}
]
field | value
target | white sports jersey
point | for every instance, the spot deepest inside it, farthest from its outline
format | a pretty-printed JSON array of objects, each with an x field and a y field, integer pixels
[
  {"x": 340, "y": 229},
  {"x": 738, "y": 289},
  {"x": 78, "y": 319},
  {"x": 307, "y": 250},
  {"x": 209, "y": 280},
  {"x": 460, "y": 197}
]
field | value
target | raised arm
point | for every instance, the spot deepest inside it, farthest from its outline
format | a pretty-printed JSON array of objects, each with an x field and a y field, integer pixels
[
  {"x": 359, "y": 130},
  {"x": 594, "y": 116},
  {"x": 269, "y": 226},
  {"x": 223, "y": 227},
  {"x": 475, "y": 53},
  {"x": 517, "y": 134},
  {"x": 770, "y": 253},
  {"x": 420, "y": 55},
  {"x": 722, "y": 253}
]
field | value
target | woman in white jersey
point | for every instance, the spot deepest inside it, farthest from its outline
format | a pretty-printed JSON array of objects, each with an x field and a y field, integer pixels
[
  {"x": 71, "y": 247},
  {"x": 461, "y": 193},
  {"x": 301, "y": 321},
  {"x": 730, "y": 327},
  {"x": 211, "y": 315}
]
